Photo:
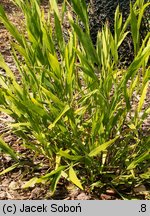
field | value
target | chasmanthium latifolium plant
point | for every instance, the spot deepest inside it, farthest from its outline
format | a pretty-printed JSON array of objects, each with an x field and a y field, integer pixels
[{"x": 73, "y": 102}]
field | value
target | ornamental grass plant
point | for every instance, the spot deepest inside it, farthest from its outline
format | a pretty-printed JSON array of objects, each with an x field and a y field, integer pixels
[{"x": 73, "y": 102}]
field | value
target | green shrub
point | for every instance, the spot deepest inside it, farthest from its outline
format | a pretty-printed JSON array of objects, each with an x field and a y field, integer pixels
[{"x": 73, "y": 103}]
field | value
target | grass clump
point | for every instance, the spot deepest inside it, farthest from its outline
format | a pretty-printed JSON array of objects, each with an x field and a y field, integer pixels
[{"x": 73, "y": 103}]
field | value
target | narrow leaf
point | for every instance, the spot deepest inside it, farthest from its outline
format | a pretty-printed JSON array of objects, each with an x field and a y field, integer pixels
[
  {"x": 73, "y": 177},
  {"x": 59, "y": 117},
  {"x": 102, "y": 147},
  {"x": 5, "y": 147},
  {"x": 9, "y": 169},
  {"x": 141, "y": 158},
  {"x": 30, "y": 183}
]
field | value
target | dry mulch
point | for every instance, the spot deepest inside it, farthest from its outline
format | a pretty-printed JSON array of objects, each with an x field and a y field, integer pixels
[{"x": 12, "y": 182}]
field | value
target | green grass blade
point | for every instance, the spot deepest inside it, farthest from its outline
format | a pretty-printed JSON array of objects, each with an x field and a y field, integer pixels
[
  {"x": 10, "y": 27},
  {"x": 9, "y": 169},
  {"x": 74, "y": 179},
  {"x": 30, "y": 183},
  {"x": 68, "y": 156},
  {"x": 6, "y": 149},
  {"x": 66, "y": 108},
  {"x": 143, "y": 96},
  {"x": 55, "y": 181},
  {"x": 139, "y": 159},
  {"x": 102, "y": 147}
]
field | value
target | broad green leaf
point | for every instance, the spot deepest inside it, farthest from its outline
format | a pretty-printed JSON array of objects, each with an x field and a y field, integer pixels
[
  {"x": 145, "y": 175},
  {"x": 53, "y": 97},
  {"x": 132, "y": 126},
  {"x": 30, "y": 183},
  {"x": 143, "y": 96},
  {"x": 66, "y": 108},
  {"x": 9, "y": 73},
  {"x": 54, "y": 6},
  {"x": 134, "y": 29},
  {"x": 138, "y": 61},
  {"x": 89, "y": 95},
  {"x": 81, "y": 110},
  {"x": 141, "y": 12},
  {"x": 53, "y": 172},
  {"x": 117, "y": 24},
  {"x": 86, "y": 65},
  {"x": 55, "y": 65},
  {"x": 36, "y": 102},
  {"x": 122, "y": 38},
  {"x": 87, "y": 43},
  {"x": 34, "y": 108},
  {"x": 102, "y": 147},
  {"x": 21, "y": 124},
  {"x": 57, "y": 161},
  {"x": 70, "y": 157},
  {"x": 74, "y": 179},
  {"x": 58, "y": 32},
  {"x": 139, "y": 159}
]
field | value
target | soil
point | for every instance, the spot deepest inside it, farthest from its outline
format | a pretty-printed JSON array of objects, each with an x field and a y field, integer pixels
[{"x": 12, "y": 182}]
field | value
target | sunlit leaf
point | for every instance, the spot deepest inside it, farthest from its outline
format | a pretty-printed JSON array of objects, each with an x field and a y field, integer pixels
[
  {"x": 139, "y": 159},
  {"x": 9, "y": 169},
  {"x": 30, "y": 183},
  {"x": 102, "y": 147},
  {"x": 74, "y": 179}
]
